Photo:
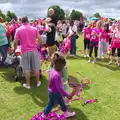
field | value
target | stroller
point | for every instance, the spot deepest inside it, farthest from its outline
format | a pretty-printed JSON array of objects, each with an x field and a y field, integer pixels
[{"x": 14, "y": 60}]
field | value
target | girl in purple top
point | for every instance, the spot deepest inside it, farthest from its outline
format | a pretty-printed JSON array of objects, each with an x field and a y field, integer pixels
[
  {"x": 94, "y": 40},
  {"x": 55, "y": 89}
]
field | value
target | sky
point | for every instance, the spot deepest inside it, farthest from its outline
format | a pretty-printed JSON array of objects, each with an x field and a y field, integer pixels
[{"x": 38, "y": 8}]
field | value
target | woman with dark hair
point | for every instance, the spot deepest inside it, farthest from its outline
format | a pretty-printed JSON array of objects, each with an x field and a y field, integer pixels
[
  {"x": 74, "y": 36},
  {"x": 94, "y": 42}
]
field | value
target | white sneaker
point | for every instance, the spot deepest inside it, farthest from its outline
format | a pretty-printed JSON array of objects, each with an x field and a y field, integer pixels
[
  {"x": 26, "y": 86},
  {"x": 110, "y": 62},
  {"x": 44, "y": 116},
  {"x": 89, "y": 61},
  {"x": 118, "y": 64},
  {"x": 102, "y": 57},
  {"x": 69, "y": 114},
  {"x": 94, "y": 61},
  {"x": 72, "y": 55},
  {"x": 38, "y": 84},
  {"x": 85, "y": 56}
]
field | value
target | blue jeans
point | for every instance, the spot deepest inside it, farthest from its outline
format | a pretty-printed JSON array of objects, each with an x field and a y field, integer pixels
[
  {"x": 73, "y": 45},
  {"x": 3, "y": 53},
  {"x": 18, "y": 42},
  {"x": 53, "y": 99}
]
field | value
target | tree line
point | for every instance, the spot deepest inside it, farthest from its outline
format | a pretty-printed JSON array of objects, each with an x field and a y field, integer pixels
[
  {"x": 60, "y": 14},
  {"x": 8, "y": 16}
]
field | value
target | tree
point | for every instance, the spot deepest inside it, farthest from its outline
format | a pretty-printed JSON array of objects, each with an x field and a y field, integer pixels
[
  {"x": 97, "y": 15},
  {"x": 59, "y": 12},
  {"x": 75, "y": 15},
  {"x": 11, "y": 15},
  {"x": 2, "y": 15}
]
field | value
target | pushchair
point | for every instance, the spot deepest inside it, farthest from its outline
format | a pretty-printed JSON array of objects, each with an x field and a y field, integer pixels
[{"x": 14, "y": 61}]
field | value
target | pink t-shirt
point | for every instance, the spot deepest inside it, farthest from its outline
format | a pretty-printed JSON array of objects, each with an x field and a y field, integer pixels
[
  {"x": 27, "y": 36},
  {"x": 104, "y": 36},
  {"x": 116, "y": 40},
  {"x": 94, "y": 35},
  {"x": 87, "y": 33}
]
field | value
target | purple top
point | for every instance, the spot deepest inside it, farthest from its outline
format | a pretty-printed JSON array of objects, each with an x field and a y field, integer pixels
[{"x": 55, "y": 83}]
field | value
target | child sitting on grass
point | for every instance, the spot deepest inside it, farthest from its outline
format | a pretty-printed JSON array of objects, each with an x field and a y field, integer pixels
[{"x": 55, "y": 89}]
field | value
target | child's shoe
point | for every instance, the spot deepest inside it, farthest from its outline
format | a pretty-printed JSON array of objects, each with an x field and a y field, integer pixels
[
  {"x": 44, "y": 116},
  {"x": 69, "y": 114},
  {"x": 38, "y": 84}
]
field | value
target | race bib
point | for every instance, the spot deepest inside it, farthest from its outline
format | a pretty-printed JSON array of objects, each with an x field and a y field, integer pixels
[
  {"x": 117, "y": 35},
  {"x": 88, "y": 36},
  {"x": 93, "y": 37}
]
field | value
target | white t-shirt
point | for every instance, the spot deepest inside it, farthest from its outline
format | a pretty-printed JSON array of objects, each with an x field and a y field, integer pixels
[
  {"x": 44, "y": 38},
  {"x": 72, "y": 30},
  {"x": 64, "y": 29}
]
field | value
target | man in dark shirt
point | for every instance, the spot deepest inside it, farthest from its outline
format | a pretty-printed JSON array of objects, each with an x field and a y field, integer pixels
[{"x": 51, "y": 31}]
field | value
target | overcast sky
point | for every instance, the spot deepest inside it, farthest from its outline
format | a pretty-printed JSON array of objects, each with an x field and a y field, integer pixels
[{"x": 38, "y": 8}]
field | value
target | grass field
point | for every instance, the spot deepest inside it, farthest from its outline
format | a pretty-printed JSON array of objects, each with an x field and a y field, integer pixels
[{"x": 17, "y": 103}]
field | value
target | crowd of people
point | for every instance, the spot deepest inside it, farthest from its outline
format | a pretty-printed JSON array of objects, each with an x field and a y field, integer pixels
[{"x": 102, "y": 36}]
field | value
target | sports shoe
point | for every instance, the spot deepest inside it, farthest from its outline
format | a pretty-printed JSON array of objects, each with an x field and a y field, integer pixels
[
  {"x": 89, "y": 60},
  {"x": 44, "y": 116},
  {"x": 69, "y": 114},
  {"x": 102, "y": 57},
  {"x": 85, "y": 56},
  {"x": 26, "y": 86},
  {"x": 38, "y": 84},
  {"x": 110, "y": 63},
  {"x": 118, "y": 64},
  {"x": 94, "y": 61}
]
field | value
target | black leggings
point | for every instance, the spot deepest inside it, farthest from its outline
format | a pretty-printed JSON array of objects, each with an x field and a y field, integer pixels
[
  {"x": 13, "y": 34},
  {"x": 118, "y": 51},
  {"x": 86, "y": 44},
  {"x": 57, "y": 44},
  {"x": 95, "y": 46},
  {"x": 110, "y": 40}
]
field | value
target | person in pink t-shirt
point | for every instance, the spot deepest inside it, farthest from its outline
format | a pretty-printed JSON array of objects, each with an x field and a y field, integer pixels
[
  {"x": 116, "y": 45},
  {"x": 104, "y": 39},
  {"x": 30, "y": 56},
  {"x": 94, "y": 40},
  {"x": 87, "y": 35}
]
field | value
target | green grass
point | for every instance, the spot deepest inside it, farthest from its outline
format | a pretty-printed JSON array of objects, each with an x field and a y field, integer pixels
[{"x": 17, "y": 103}]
